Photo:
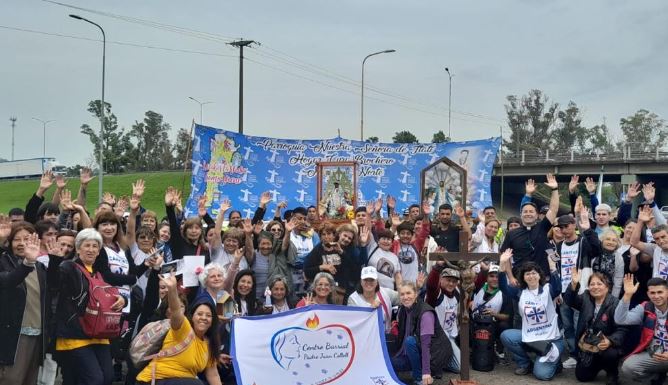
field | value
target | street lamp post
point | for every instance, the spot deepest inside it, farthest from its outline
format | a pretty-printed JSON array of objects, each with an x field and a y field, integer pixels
[
  {"x": 449, "y": 104},
  {"x": 102, "y": 112},
  {"x": 362, "y": 101},
  {"x": 44, "y": 123},
  {"x": 201, "y": 104}
]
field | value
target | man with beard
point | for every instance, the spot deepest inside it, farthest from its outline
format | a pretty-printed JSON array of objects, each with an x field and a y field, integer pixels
[{"x": 445, "y": 232}]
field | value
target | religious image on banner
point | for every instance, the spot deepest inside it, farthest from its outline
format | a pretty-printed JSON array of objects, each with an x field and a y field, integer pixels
[
  {"x": 314, "y": 345},
  {"x": 229, "y": 165},
  {"x": 336, "y": 189}
]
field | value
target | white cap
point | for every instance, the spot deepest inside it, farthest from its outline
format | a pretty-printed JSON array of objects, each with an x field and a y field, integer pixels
[
  {"x": 369, "y": 272},
  {"x": 493, "y": 268}
]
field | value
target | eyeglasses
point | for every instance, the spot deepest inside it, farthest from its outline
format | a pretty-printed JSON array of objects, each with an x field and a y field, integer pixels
[{"x": 275, "y": 230}]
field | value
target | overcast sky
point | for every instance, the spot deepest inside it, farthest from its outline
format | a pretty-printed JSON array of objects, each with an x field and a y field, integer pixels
[{"x": 610, "y": 57}]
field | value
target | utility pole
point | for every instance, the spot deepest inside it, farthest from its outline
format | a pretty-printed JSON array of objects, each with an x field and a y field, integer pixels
[
  {"x": 241, "y": 44},
  {"x": 501, "y": 161},
  {"x": 449, "y": 103},
  {"x": 13, "y": 120}
]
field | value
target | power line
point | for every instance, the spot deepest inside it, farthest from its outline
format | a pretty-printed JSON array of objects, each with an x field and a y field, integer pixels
[{"x": 115, "y": 42}]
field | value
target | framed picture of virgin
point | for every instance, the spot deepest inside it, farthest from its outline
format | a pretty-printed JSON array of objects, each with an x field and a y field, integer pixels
[{"x": 337, "y": 187}]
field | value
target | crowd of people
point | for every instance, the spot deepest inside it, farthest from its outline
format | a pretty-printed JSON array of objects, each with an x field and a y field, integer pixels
[{"x": 585, "y": 290}]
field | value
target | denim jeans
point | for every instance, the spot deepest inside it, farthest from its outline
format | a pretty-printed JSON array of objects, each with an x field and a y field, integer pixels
[
  {"x": 409, "y": 360},
  {"x": 569, "y": 320},
  {"x": 88, "y": 365},
  {"x": 512, "y": 340},
  {"x": 454, "y": 363}
]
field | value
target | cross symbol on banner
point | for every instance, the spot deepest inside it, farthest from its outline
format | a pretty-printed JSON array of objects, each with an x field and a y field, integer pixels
[{"x": 536, "y": 315}]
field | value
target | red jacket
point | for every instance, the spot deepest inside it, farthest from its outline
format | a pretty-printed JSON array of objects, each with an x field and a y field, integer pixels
[{"x": 648, "y": 326}]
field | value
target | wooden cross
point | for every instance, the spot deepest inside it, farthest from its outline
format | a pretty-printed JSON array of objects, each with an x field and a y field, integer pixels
[{"x": 463, "y": 261}]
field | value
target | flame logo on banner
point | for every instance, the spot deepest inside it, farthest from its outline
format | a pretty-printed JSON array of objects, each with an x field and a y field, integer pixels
[{"x": 313, "y": 323}]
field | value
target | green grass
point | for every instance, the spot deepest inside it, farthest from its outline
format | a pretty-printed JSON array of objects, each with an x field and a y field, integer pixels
[{"x": 16, "y": 193}]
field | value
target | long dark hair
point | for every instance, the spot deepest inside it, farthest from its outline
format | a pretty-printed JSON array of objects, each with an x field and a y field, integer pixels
[
  {"x": 527, "y": 267},
  {"x": 250, "y": 298},
  {"x": 212, "y": 333}
]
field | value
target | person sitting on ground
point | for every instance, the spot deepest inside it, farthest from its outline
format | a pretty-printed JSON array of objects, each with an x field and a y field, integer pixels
[
  {"x": 423, "y": 345},
  {"x": 489, "y": 300},
  {"x": 649, "y": 359},
  {"x": 540, "y": 329},
  {"x": 600, "y": 339},
  {"x": 370, "y": 294}
]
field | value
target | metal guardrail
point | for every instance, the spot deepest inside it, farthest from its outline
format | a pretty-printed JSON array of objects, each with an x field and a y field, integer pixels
[{"x": 543, "y": 157}]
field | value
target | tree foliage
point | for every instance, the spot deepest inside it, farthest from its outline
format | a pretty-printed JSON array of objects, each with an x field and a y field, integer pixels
[
  {"x": 372, "y": 139},
  {"x": 181, "y": 147},
  {"x": 644, "y": 131},
  {"x": 440, "y": 137},
  {"x": 116, "y": 142},
  {"x": 404, "y": 137}
]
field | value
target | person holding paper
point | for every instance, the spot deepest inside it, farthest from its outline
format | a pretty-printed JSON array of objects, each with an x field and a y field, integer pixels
[{"x": 190, "y": 240}]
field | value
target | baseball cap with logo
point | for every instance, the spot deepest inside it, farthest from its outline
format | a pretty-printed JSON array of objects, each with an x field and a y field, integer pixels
[{"x": 369, "y": 272}]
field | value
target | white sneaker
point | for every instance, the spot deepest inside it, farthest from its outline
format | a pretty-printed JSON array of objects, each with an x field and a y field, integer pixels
[{"x": 570, "y": 363}]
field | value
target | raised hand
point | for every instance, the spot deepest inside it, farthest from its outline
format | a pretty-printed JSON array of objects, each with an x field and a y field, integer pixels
[
  {"x": 630, "y": 288},
  {"x": 575, "y": 278},
  {"x": 419, "y": 282},
  {"x": 370, "y": 207},
  {"x": 109, "y": 198},
  {"x": 5, "y": 226},
  {"x": 308, "y": 299},
  {"x": 66, "y": 200},
  {"x": 169, "y": 280},
  {"x": 121, "y": 206},
  {"x": 505, "y": 257},
  {"x": 649, "y": 191},
  {"x": 61, "y": 182},
  {"x": 391, "y": 202},
  {"x": 257, "y": 228},
  {"x": 633, "y": 191},
  {"x": 396, "y": 220},
  {"x": 85, "y": 176},
  {"x": 529, "y": 187},
  {"x": 579, "y": 205},
  {"x": 573, "y": 184},
  {"x": 32, "y": 248},
  {"x": 53, "y": 248},
  {"x": 365, "y": 233},
  {"x": 591, "y": 185},
  {"x": 201, "y": 206},
  {"x": 290, "y": 225},
  {"x": 45, "y": 182},
  {"x": 584, "y": 219},
  {"x": 426, "y": 208},
  {"x": 459, "y": 211},
  {"x": 224, "y": 206},
  {"x": 134, "y": 203},
  {"x": 281, "y": 205},
  {"x": 177, "y": 200},
  {"x": 378, "y": 205},
  {"x": 248, "y": 226},
  {"x": 645, "y": 214},
  {"x": 138, "y": 188},
  {"x": 169, "y": 196},
  {"x": 265, "y": 198},
  {"x": 551, "y": 182},
  {"x": 238, "y": 254}
]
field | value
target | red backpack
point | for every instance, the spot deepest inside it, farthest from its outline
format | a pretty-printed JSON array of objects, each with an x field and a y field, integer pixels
[{"x": 99, "y": 321}]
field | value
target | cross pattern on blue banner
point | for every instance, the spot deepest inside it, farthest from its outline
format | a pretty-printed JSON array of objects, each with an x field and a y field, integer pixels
[{"x": 229, "y": 165}]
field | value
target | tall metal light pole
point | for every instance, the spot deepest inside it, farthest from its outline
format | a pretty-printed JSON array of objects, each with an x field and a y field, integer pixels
[
  {"x": 100, "y": 171},
  {"x": 200, "y": 107},
  {"x": 241, "y": 44},
  {"x": 362, "y": 101},
  {"x": 449, "y": 104},
  {"x": 44, "y": 123},
  {"x": 13, "y": 120}
]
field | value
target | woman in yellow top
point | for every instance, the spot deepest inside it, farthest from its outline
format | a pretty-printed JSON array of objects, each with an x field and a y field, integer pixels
[
  {"x": 200, "y": 356},
  {"x": 85, "y": 360}
]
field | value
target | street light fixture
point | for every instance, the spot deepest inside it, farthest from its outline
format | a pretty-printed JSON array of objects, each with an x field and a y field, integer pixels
[
  {"x": 362, "y": 101},
  {"x": 449, "y": 104},
  {"x": 200, "y": 107},
  {"x": 103, "y": 107},
  {"x": 44, "y": 123}
]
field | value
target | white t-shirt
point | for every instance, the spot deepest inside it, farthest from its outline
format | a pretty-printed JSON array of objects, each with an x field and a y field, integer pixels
[
  {"x": 569, "y": 261},
  {"x": 659, "y": 263},
  {"x": 385, "y": 262},
  {"x": 408, "y": 258},
  {"x": 539, "y": 317},
  {"x": 494, "y": 304},
  {"x": 118, "y": 264},
  {"x": 447, "y": 311},
  {"x": 224, "y": 259},
  {"x": 390, "y": 298}
]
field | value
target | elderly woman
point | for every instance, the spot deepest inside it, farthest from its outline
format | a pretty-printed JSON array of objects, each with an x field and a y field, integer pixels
[
  {"x": 84, "y": 360},
  {"x": 23, "y": 294},
  {"x": 321, "y": 291},
  {"x": 370, "y": 294},
  {"x": 200, "y": 355},
  {"x": 600, "y": 339},
  {"x": 610, "y": 262},
  {"x": 279, "y": 287},
  {"x": 424, "y": 347},
  {"x": 213, "y": 282},
  {"x": 540, "y": 330}
]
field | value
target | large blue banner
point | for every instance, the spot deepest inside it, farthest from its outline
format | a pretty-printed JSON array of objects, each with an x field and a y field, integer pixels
[{"x": 228, "y": 165}]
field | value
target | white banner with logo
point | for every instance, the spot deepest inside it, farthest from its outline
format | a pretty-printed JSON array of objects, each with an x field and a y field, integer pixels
[{"x": 313, "y": 345}]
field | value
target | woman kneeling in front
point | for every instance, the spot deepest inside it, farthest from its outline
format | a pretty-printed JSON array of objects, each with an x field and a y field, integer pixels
[{"x": 540, "y": 330}]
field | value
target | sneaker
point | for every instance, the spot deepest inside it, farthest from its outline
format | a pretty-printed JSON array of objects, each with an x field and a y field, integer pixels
[
  {"x": 570, "y": 363},
  {"x": 500, "y": 355},
  {"x": 522, "y": 371}
]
